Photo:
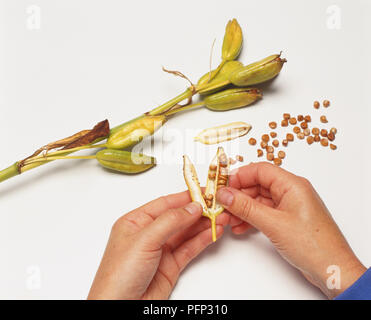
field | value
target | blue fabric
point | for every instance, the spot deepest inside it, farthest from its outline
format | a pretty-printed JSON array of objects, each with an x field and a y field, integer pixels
[{"x": 360, "y": 290}]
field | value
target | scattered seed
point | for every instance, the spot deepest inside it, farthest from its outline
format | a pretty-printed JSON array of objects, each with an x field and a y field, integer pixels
[
  {"x": 306, "y": 132},
  {"x": 275, "y": 143},
  {"x": 334, "y": 130},
  {"x": 317, "y": 138},
  {"x": 308, "y": 118},
  {"x": 239, "y": 158},
  {"x": 316, "y": 104},
  {"x": 260, "y": 152},
  {"x": 265, "y": 137},
  {"x": 277, "y": 161},
  {"x": 333, "y": 147},
  {"x": 286, "y": 116},
  {"x": 285, "y": 142},
  {"x": 310, "y": 140},
  {"x": 284, "y": 123},
  {"x": 300, "y": 135},
  {"x": 273, "y": 134},
  {"x": 296, "y": 129},
  {"x": 293, "y": 121},
  {"x": 331, "y": 136},
  {"x": 252, "y": 141},
  {"x": 270, "y": 149},
  {"x": 304, "y": 125},
  {"x": 315, "y": 131},
  {"x": 300, "y": 117},
  {"x": 290, "y": 137},
  {"x": 281, "y": 154},
  {"x": 324, "y": 142},
  {"x": 324, "y": 133},
  {"x": 273, "y": 125},
  {"x": 270, "y": 156},
  {"x": 263, "y": 144},
  {"x": 323, "y": 119},
  {"x": 326, "y": 103}
]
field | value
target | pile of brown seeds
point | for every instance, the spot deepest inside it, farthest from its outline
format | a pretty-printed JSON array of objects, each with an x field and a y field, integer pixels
[{"x": 302, "y": 130}]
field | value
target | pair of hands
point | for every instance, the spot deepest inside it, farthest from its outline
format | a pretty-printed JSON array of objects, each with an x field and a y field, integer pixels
[{"x": 150, "y": 246}]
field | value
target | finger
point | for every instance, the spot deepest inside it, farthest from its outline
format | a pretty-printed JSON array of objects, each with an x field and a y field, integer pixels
[
  {"x": 248, "y": 209},
  {"x": 277, "y": 180},
  {"x": 241, "y": 228},
  {"x": 203, "y": 224},
  {"x": 170, "y": 222},
  {"x": 255, "y": 191},
  {"x": 193, "y": 247}
]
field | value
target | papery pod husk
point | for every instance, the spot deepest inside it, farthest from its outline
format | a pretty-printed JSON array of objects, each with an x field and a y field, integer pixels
[
  {"x": 134, "y": 131},
  {"x": 232, "y": 99},
  {"x": 220, "y": 80},
  {"x": 257, "y": 72},
  {"x": 125, "y": 161},
  {"x": 232, "y": 43}
]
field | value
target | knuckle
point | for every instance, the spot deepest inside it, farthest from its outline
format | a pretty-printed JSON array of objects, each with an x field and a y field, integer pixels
[{"x": 247, "y": 207}]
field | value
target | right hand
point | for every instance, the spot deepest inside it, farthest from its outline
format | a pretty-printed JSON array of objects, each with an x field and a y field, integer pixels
[{"x": 287, "y": 209}]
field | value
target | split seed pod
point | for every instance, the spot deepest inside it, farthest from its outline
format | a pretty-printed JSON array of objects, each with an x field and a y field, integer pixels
[
  {"x": 134, "y": 132},
  {"x": 232, "y": 98},
  {"x": 258, "y": 72},
  {"x": 232, "y": 43},
  {"x": 125, "y": 161},
  {"x": 217, "y": 177},
  {"x": 220, "y": 78},
  {"x": 223, "y": 133}
]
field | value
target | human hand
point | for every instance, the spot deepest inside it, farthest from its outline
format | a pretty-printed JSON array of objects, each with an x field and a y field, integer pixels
[
  {"x": 287, "y": 209},
  {"x": 150, "y": 246}
]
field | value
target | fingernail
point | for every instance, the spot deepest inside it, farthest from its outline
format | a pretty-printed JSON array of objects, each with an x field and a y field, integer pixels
[
  {"x": 224, "y": 196},
  {"x": 193, "y": 208}
]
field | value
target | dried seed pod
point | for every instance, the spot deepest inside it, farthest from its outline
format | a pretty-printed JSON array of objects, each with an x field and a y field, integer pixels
[
  {"x": 316, "y": 105},
  {"x": 260, "y": 152},
  {"x": 281, "y": 154},
  {"x": 293, "y": 121},
  {"x": 270, "y": 156},
  {"x": 232, "y": 42},
  {"x": 258, "y": 72},
  {"x": 285, "y": 142},
  {"x": 323, "y": 132},
  {"x": 134, "y": 131},
  {"x": 232, "y": 99},
  {"x": 310, "y": 140},
  {"x": 275, "y": 143},
  {"x": 277, "y": 161},
  {"x": 273, "y": 134},
  {"x": 324, "y": 142},
  {"x": 125, "y": 161},
  {"x": 284, "y": 123},
  {"x": 252, "y": 141},
  {"x": 273, "y": 125},
  {"x": 296, "y": 129},
  {"x": 323, "y": 119},
  {"x": 223, "y": 133},
  {"x": 333, "y": 147},
  {"x": 326, "y": 103},
  {"x": 270, "y": 149},
  {"x": 265, "y": 137},
  {"x": 290, "y": 137}
]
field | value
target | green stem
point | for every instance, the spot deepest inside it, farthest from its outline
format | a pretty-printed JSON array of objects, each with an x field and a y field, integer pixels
[
  {"x": 9, "y": 172},
  {"x": 182, "y": 108},
  {"x": 47, "y": 159}
]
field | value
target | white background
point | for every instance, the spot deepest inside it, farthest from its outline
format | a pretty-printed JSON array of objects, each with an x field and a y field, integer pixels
[{"x": 93, "y": 60}]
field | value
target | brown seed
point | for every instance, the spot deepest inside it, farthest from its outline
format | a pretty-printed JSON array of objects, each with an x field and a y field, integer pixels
[
  {"x": 265, "y": 137},
  {"x": 252, "y": 141},
  {"x": 212, "y": 175},
  {"x": 300, "y": 117},
  {"x": 277, "y": 161},
  {"x": 317, "y": 138},
  {"x": 310, "y": 140},
  {"x": 316, "y": 104},
  {"x": 209, "y": 203},
  {"x": 290, "y": 137},
  {"x": 239, "y": 158},
  {"x": 300, "y": 135},
  {"x": 284, "y": 123},
  {"x": 209, "y": 197},
  {"x": 304, "y": 125},
  {"x": 270, "y": 156},
  {"x": 326, "y": 103},
  {"x": 275, "y": 143},
  {"x": 324, "y": 142},
  {"x": 285, "y": 142},
  {"x": 263, "y": 144},
  {"x": 306, "y": 132},
  {"x": 213, "y": 167},
  {"x": 260, "y": 152},
  {"x": 334, "y": 130},
  {"x": 286, "y": 116},
  {"x": 270, "y": 149},
  {"x": 281, "y": 154},
  {"x": 273, "y": 125},
  {"x": 324, "y": 133},
  {"x": 323, "y": 119},
  {"x": 296, "y": 129},
  {"x": 333, "y": 147},
  {"x": 308, "y": 118},
  {"x": 331, "y": 136},
  {"x": 293, "y": 121},
  {"x": 273, "y": 134},
  {"x": 315, "y": 131}
]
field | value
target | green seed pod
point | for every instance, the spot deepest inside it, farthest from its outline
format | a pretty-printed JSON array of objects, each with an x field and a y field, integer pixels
[
  {"x": 232, "y": 43},
  {"x": 220, "y": 80},
  {"x": 232, "y": 99},
  {"x": 258, "y": 72},
  {"x": 125, "y": 161},
  {"x": 134, "y": 132}
]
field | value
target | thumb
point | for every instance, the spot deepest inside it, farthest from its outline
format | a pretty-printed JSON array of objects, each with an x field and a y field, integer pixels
[
  {"x": 248, "y": 209},
  {"x": 171, "y": 222}
]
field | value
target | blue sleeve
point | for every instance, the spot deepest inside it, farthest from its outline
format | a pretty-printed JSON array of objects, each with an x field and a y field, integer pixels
[{"x": 359, "y": 290}]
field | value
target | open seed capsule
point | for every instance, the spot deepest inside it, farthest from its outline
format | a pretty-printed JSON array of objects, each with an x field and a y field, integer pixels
[
  {"x": 125, "y": 161},
  {"x": 134, "y": 132},
  {"x": 232, "y": 43},
  {"x": 222, "y": 133},
  {"x": 232, "y": 99},
  {"x": 258, "y": 72}
]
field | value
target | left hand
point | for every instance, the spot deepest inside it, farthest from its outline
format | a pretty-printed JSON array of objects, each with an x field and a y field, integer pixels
[{"x": 150, "y": 246}]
